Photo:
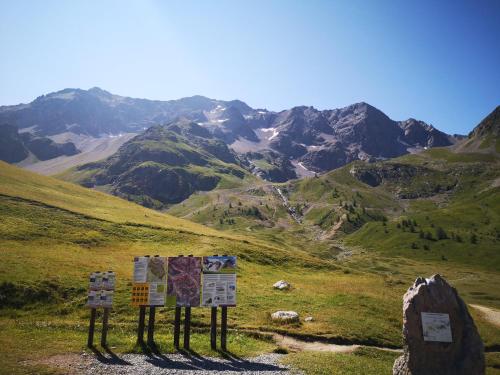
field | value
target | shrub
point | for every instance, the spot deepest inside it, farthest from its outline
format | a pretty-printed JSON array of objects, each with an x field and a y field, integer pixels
[{"x": 441, "y": 234}]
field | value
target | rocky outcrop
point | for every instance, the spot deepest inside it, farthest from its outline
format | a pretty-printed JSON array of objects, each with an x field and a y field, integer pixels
[
  {"x": 279, "y": 168},
  {"x": 45, "y": 148},
  {"x": 166, "y": 185},
  {"x": 15, "y": 147},
  {"x": 424, "y": 355},
  {"x": 375, "y": 174},
  {"x": 490, "y": 125},
  {"x": 418, "y": 133},
  {"x": 485, "y": 137},
  {"x": 287, "y": 145},
  {"x": 327, "y": 158},
  {"x": 12, "y": 148},
  {"x": 405, "y": 180}
]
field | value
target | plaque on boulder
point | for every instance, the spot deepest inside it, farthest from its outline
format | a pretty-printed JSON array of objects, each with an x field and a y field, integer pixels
[
  {"x": 440, "y": 337},
  {"x": 436, "y": 327}
]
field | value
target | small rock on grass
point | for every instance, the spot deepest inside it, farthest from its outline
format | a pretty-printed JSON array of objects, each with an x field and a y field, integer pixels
[
  {"x": 285, "y": 316},
  {"x": 282, "y": 285}
]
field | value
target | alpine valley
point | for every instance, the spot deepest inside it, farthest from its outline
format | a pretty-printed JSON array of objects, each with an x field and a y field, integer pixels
[{"x": 347, "y": 205}]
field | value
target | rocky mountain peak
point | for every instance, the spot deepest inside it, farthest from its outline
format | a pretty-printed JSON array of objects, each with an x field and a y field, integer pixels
[
  {"x": 97, "y": 91},
  {"x": 490, "y": 125}
]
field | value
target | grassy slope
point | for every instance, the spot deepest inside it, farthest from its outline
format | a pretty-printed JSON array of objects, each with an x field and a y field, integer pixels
[
  {"x": 50, "y": 239},
  {"x": 362, "y": 361},
  {"x": 57, "y": 193},
  {"x": 75, "y": 231},
  {"x": 470, "y": 216}
]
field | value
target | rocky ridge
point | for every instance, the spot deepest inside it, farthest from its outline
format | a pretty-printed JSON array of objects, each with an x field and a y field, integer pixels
[{"x": 301, "y": 139}]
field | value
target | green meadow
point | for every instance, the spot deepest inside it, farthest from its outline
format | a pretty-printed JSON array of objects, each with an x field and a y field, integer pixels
[{"x": 54, "y": 233}]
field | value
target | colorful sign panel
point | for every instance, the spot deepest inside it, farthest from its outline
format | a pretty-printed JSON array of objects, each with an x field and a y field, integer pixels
[
  {"x": 140, "y": 294},
  {"x": 219, "y": 281},
  {"x": 436, "y": 327},
  {"x": 101, "y": 289},
  {"x": 219, "y": 264},
  {"x": 150, "y": 277},
  {"x": 184, "y": 281}
]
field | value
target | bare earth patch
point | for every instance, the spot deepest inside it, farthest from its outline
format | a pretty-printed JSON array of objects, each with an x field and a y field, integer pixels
[
  {"x": 491, "y": 315},
  {"x": 92, "y": 149},
  {"x": 295, "y": 345}
]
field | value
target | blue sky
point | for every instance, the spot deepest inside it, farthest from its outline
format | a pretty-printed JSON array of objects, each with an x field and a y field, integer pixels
[{"x": 438, "y": 61}]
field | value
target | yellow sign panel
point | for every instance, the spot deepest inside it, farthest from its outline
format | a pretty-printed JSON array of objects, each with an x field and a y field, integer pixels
[{"x": 140, "y": 294}]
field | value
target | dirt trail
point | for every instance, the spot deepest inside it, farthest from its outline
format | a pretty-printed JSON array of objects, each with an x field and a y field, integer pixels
[
  {"x": 491, "y": 315},
  {"x": 296, "y": 345}
]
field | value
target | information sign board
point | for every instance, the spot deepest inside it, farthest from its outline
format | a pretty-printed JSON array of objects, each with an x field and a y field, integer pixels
[
  {"x": 219, "y": 281},
  {"x": 150, "y": 279},
  {"x": 184, "y": 281}
]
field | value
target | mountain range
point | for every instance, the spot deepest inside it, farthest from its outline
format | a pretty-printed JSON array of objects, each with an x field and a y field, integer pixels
[{"x": 197, "y": 143}]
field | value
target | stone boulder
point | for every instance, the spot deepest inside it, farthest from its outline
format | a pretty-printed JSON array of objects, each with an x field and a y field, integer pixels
[
  {"x": 285, "y": 316},
  {"x": 464, "y": 355},
  {"x": 281, "y": 285}
]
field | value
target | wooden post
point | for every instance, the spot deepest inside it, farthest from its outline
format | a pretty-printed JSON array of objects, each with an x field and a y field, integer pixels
[
  {"x": 140, "y": 328},
  {"x": 90, "y": 340},
  {"x": 223, "y": 328},
  {"x": 187, "y": 326},
  {"x": 104, "y": 332},
  {"x": 177, "y": 326},
  {"x": 151, "y": 325},
  {"x": 213, "y": 328}
]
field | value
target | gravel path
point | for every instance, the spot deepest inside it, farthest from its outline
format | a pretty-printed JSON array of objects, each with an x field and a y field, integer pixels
[{"x": 177, "y": 364}]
